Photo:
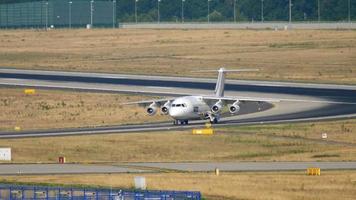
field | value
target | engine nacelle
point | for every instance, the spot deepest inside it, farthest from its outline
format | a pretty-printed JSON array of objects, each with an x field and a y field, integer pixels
[
  {"x": 152, "y": 109},
  {"x": 165, "y": 108},
  {"x": 234, "y": 108},
  {"x": 216, "y": 108}
]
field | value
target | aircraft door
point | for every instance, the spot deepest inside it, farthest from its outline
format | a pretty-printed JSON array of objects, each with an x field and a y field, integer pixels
[{"x": 196, "y": 109}]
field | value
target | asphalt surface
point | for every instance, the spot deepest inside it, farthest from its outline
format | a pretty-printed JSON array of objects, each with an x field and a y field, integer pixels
[
  {"x": 42, "y": 169},
  {"x": 247, "y": 166},
  {"x": 300, "y": 102},
  {"x": 344, "y": 93},
  {"x": 36, "y": 169}
]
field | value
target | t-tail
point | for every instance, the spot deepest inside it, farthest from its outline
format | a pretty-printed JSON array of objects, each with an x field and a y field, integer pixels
[{"x": 220, "y": 83}]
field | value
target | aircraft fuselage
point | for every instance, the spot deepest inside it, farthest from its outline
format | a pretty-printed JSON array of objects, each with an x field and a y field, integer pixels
[{"x": 189, "y": 107}]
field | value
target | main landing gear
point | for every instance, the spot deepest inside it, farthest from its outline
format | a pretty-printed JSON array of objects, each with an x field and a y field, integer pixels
[
  {"x": 214, "y": 121},
  {"x": 213, "y": 118},
  {"x": 182, "y": 122}
]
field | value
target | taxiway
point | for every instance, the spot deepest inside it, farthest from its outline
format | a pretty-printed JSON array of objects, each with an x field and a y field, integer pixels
[{"x": 299, "y": 102}]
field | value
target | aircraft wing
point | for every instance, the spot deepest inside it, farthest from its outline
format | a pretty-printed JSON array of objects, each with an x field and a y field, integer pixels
[
  {"x": 208, "y": 99},
  {"x": 146, "y": 103},
  {"x": 231, "y": 100}
]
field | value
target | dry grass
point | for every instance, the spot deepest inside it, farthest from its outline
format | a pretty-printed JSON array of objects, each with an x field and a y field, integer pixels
[
  {"x": 227, "y": 145},
  {"x": 262, "y": 185},
  {"x": 338, "y": 130},
  {"x": 62, "y": 109},
  {"x": 298, "y": 55}
]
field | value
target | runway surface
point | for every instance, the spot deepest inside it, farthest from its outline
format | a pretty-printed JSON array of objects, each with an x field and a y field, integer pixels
[
  {"x": 43, "y": 169},
  {"x": 36, "y": 169},
  {"x": 299, "y": 102}
]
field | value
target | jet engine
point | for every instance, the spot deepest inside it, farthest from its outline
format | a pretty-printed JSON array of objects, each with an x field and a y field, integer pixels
[
  {"x": 152, "y": 109},
  {"x": 217, "y": 107},
  {"x": 165, "y": 108},
  {"x": 234, "y": 108}
]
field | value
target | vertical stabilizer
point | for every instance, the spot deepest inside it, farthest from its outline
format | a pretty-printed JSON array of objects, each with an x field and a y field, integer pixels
[{"x": 220, "y": 83}]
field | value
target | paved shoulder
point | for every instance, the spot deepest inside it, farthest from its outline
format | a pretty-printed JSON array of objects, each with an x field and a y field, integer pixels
[{"x": 248, "y": 166}]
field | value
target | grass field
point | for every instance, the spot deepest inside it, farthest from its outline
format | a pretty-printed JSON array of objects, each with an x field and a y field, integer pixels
[
  {"x": 337, "y": 130},
  {"x": 313, "y": 56},
  {"x": 63, "y": 109},
  {"x": 330, "y": 185},
  {"x": 228, "y": 144},
  {"x": 298, "y": 55}
]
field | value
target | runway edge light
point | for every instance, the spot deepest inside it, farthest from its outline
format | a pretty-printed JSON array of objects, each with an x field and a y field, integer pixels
[{"x": 217, "y": 171}]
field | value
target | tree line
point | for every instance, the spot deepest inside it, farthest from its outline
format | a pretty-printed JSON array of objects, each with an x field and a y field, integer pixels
[
  {"x": 228, "y": 10},
  {"x": 245, "y": 10}
]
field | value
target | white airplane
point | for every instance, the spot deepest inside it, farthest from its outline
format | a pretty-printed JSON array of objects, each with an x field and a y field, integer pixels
[{"x": 183, "y": 109}]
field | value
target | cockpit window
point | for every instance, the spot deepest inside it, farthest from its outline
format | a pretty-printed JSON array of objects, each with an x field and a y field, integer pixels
[{"x": 179, "y": 105}]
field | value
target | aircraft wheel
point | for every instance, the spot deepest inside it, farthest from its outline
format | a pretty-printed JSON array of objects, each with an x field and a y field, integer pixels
[{"x": 215, "y": 121}]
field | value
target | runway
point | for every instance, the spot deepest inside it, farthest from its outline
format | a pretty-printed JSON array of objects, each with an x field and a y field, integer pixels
[
  {"x": 299, "y": 102},
  {"x": 44, "y": 169}
]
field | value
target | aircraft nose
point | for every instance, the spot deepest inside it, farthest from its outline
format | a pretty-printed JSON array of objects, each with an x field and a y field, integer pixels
[{"x": 175, "y": 113}]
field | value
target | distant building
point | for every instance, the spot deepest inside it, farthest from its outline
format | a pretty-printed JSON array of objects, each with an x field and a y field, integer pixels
[{"x": 57, "y": 13}]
